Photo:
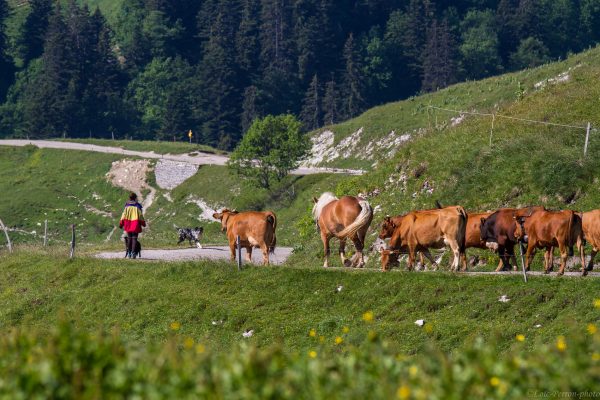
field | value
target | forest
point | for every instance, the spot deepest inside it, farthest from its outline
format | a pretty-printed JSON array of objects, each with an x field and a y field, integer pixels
[{"x": 162, "y": 67}]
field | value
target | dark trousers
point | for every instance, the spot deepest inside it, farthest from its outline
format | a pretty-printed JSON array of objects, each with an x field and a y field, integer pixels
[{"x": 131, "y": 241}]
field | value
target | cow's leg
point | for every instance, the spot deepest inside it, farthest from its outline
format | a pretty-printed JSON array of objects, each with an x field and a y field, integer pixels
[
  {"x": 456, "y": 256},
  {"x": 422, "y": 265},
  {"x": 504, "y": 264},
  {"x": 358, "y": 259},
  {"x": 548, "y": 259},
  {"x": 325, "y": 238},
  {"x": 564, "y": 254},
  {"x": 426, "y": 253},
  {"x": 590, "y": 265},
  {"x": 411, "y": 257},
  {"x": 265, "y": 251},
  {"x": 580, "y": 247},
  {"x": 233, "y": 249},
  {"x": 463, "y": 261},
  {"x": 249, "y": 253},
  {"x": 529, "y": 255},
  {"x": 181, "y": 240},
  {"x": 345, "y": 261}
]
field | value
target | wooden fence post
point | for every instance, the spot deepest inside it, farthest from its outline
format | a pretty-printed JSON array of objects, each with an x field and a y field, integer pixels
[
  {"x": 238, "y": 245},
  {"x": 72, "y": 241},
  {"x": 45, "y": 233},
  {"x": 587, "y": 138},
  {"x": 6, "y": 234}
]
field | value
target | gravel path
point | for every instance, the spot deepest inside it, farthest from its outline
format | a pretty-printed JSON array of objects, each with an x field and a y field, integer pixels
[
  {"x": 208, "y": 252},
  {"x": 199, "y": 159}
]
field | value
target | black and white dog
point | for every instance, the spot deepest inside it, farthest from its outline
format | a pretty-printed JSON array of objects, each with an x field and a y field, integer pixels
[{"x": 193, "y": 235}]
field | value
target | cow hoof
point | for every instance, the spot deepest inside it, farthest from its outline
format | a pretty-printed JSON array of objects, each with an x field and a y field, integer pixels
[
  {"x": 546, "y": 271},
  {"x": 347, "y": 263},
  {"x": 560, "y": 273},
  {"x": 584, "y": 272}
]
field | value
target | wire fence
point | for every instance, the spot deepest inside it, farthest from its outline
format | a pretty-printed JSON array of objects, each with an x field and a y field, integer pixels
[{"x": 587, "y": 128}]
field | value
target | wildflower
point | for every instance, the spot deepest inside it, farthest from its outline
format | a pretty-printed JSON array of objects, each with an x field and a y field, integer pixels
[
  {"x": 520, "y": 337},
  {"x": 403, "y": 392},
  {"x": 561, "y": 345},
  {"x": 420, "y": 322},
  {"x": 345, "y": 329},
  {"x": 312, "y": 354},
  {"x": 321, "y": 339},
  {"x": 200, "y": 348},
  {"x": 592, "y": 329},
  {"x": 428, "y": 327},
  {"x": 413, "y": 370},
  {"x": 494, "y": 381},
  {"x": 338, "y": 340},
  {"x": 312, "y": 333},
  {"x": 188, "y": 343},
  {"x": 597, "y": 303},
  {"x": 596, "y": 356},
  {"x": 175, "y": 326},
  {"x": 368, "y": 316}
]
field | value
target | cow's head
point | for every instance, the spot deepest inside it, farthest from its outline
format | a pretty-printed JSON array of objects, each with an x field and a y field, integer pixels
[
  {"x": 223, "y": 216},
  {"x": 389, "y": 259},
  {"x": 520, "y": 234},
  {"x": 387, "y": 228}
]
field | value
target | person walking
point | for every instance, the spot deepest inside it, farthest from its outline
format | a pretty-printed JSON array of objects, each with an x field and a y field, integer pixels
[{"x": 132, "y": 221}]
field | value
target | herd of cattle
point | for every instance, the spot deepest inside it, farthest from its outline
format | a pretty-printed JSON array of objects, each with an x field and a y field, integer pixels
[{"x": 349, "y": 218}]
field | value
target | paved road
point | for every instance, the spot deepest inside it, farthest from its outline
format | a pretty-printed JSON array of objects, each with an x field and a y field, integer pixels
[
  {"x": 208, "y": 252},
  {"x": 200, "y": 159}
]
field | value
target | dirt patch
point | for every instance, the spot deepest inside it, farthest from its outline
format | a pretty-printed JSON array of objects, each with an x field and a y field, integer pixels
[{"x": 131, "y": 175}]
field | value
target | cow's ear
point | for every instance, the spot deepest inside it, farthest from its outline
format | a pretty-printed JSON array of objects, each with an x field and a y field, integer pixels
[{"x": 315, "y": 200}]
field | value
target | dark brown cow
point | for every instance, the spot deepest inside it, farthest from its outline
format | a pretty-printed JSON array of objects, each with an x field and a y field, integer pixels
[
  {"x": 591, "y": 233},
  {"x": 422, "y": 230},
  {"x": 255, "y": 229},
  {"x": 547, "y": 229},
  {"x": 498, "y": 232}
]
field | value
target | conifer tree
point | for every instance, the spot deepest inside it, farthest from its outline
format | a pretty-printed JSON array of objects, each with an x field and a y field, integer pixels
[
  {"x": 30, "y": 42},
  {"x": 353, "y": 80},
  {"x": 311, "y": 106},
  {"x": 330, "y": 103},
  {"x": 6, "y": 63},
  {"x": 439, "y": 64},
  {"x": 251, "y": 108}
]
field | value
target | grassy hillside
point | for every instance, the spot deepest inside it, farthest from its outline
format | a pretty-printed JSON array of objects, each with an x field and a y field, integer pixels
[
  {"x": 571, "y": 102},
  {"x": 282, "y": 305}
]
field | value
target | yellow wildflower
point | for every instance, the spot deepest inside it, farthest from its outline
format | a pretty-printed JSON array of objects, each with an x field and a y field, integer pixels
[
  {"x": 321, "y": 339},
  {"x": 494, "y": 381},
  {"x": 592, "y": 329},
  {"x": 597, "y": 303},
  {"x": 561, "y": 344},
  {"x": 413, "y": 370},
  {"x": 312, "y": 333},
  {"x": 596, "y": 356},
  {"x": 403, "y": 392},
  {"x": 368, "y": 316},
  {"x": 520, "y": 337},
  {"x": 200, "y": 348},
  {"x": 428, "y": 327},
  {"x": 175, "y": 326},
  {"x": 338, "y": 340},
  {"x": 312, "y": 354},
  {"x": 345, "y": 329},
  {"x": 188, "y": 343}
]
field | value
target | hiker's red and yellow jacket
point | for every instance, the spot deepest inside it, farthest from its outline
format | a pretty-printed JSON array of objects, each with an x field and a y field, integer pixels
[{"x": 132, "y": 219}]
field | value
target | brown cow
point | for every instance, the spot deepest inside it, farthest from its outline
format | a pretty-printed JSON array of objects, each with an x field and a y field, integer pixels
[
  {"x": 547, "y": 229},
  {"x": 421, "y": 230},
  {"x": 388, "y": 226},
  {"x": 591, "y": 233},
  {"x": 255, "y": 229}
]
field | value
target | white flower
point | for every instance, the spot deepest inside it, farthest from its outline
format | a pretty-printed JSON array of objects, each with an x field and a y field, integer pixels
[
  {"x": 503, "y": 299},
  {"x": 248, "y": 334},
  {"x": 420, "y": 322},
  {"x": 538, "y": 326},
  {"x": 339, "y": 288},
  {"x": 219, "y": 322}
]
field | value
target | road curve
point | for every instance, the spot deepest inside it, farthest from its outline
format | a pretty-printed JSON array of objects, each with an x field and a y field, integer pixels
[{"x": 199, "y": 159}]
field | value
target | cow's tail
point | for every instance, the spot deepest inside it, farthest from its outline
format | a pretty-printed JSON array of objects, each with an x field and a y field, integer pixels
[
  {"x": 363, "y": 219},
  {"x": 462, "y": 228},
  {"x": 272, "y": 220}
]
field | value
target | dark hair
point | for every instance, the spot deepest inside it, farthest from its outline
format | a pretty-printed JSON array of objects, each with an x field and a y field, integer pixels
[{"x": 132, "y": 196}]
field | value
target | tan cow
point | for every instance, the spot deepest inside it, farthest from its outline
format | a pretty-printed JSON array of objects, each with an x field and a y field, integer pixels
[
  {"x": 547, "y": 229},
  {"x": 591, "y": 233},
  {"x": 422, "y": 230},
  {"x": 255, "y": 229}
]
